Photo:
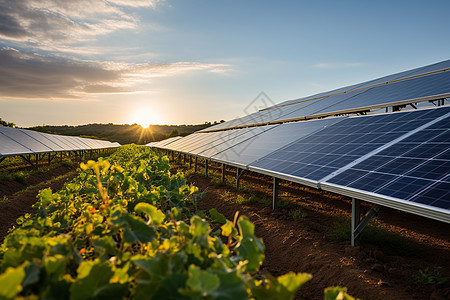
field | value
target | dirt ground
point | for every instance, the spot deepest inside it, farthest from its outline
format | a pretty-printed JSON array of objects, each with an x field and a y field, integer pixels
[
  {"x": 305, "y": 245},
  {"x": 302, "y": 244},
  {"x": 21, "y": 199}
]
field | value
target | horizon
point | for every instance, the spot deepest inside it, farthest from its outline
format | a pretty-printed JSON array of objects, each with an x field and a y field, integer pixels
[{"x": 185, "y": 62}]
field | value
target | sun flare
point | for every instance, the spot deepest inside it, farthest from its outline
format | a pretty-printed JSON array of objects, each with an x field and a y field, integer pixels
[{"x": 146, "y": 117}]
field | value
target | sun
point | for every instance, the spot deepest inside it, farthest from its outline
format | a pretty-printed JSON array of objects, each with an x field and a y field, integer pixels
[{"x": 145, "y": 117}]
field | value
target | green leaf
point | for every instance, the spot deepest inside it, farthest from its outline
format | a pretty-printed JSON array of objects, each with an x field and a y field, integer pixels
[
  {"x": 231, "y": 287},
  {"x": 227, "y": 228},
  {"x": 156, "y": 216},
  {"x": 46, "y": 196},
  {"x": 32, "y": 274},
  {"x": 283, "y": 287},
  {"x": 157, "y": 267},
  {"x": 10, "y": 283},
  {"x": 250, "y": 248},
  {"x": 55, "y": 266},
  {"x": 135, "y": 229},
  {"x": 292, "y": 282},
  {"x": 202, "y": 281},
  {"x": 170, "y": 287},
  {"x": 95, "y": 283},
  {"x": 337, "y": 293},
  {"x": 217, "y": 216},
  {"x": 200, "y": 230},
  {"x": 105, "y": 246}
]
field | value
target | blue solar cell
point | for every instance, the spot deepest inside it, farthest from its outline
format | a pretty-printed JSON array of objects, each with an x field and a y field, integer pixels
[
  {"x": 412, "y": 169},
  {"x": 431, "y": 169},
  {"x": 399, "y": 165},
  {"x": 342, "y": 143},
  {"x": 437, "y": 195},
  {"x": 403, "y": 187},
  {"x": 371, "y": 181}
]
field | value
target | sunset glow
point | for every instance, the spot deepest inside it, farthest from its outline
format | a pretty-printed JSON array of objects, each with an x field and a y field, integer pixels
[
  {"x": 145, "y": 117},
  {"x": 73, "y": 63}
]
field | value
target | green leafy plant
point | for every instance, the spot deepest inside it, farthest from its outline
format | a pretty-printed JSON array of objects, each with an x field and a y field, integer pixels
[
  {"x": 430, "y": 276},
  {"x": 128, "y": 228},
  {"x": 68, "y": 163},
  {"x": 240, "y": 199},
  {"x": 297, "y": 214}
]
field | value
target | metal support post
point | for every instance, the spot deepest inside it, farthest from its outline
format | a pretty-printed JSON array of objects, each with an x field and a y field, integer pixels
[
  {"x": 223, "y": 172},
  {"x": 206, "y": 167},
  {"x": 356, "y": 217},
  {"x": 359, "y": 224},
  {"x": 275, "y": 193},
  {"x": 195, "y": 164},
  {"x": 190, "y": 161},
  {"x": 238, "y": 177}
]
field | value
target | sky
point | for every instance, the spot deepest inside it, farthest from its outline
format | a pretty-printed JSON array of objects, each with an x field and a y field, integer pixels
[{"x": 190, "y": 61}]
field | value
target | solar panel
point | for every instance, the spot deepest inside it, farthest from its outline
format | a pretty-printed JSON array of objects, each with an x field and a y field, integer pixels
[
  {"x": 192, "y": 143},
  {"x": 410, "y": 170},
  {"x": 10, "y": 147},
  {"x": 226, "y": 139},
  {"x": 304, "y": 109},
  {"x": 56, "y": 140},
  {"x": 378, "y": 92},
  {"x": 25, "y": 140},
  {"x": 179, "y": 144},
  {"x": 43, "y": 138},
  {"x": 98, "y": 144},
  {"x": 71, "y": 143},
  {"x": 421, "y": 87},
  {"x": 319, "y": 155},
  {"x": 168, "y": 141},
  {"x": 257, "y": 146}
]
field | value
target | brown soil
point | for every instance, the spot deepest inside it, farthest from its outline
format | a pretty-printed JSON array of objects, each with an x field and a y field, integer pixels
[
  {"x": 305, "y": 245},
  {"x": 20, "y": 201}
]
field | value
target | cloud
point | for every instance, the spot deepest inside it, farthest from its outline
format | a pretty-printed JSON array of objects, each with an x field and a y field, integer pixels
[
  {"x": 62, "y": 21},
  {"x": 104, "y": 89},
  {"x": 28, "y": 75},
  {"x": 336, "y": 65},
  {"x": 32, "y": 76}
]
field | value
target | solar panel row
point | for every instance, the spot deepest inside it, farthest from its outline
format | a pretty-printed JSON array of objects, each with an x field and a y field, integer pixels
[
  {"x": 433, "y": 82},
  {"x": 398, "y": 159},
  {"x": 163, "y": 142},
  {"x": 16, "y": 141}
]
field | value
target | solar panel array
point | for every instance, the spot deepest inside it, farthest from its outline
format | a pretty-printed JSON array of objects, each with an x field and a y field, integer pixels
[
  {"x": 16, "y": 141},
  {"x": 421, "y": 84},
  {"x": 399, "y": 159}
]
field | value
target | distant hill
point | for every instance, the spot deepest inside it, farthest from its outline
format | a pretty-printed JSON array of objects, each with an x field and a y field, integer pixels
[{"x": 124, "y": 134}]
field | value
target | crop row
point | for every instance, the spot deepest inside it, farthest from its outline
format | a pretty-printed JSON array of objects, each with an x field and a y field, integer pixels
[{"x": 126, "y": 228}]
